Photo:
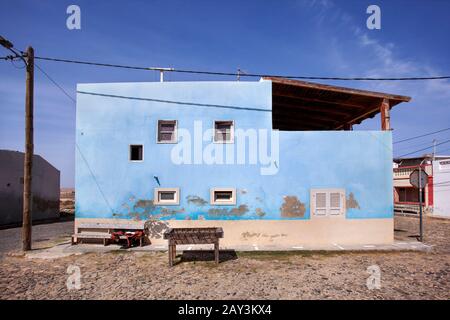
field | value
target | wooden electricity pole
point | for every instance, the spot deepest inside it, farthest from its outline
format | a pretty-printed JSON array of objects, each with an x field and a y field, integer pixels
[
  {"x": 28, "y": 59},
  {"x": 28, "y": 163}
]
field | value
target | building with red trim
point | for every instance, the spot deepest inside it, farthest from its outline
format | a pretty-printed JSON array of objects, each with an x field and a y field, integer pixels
[{"x": 436, "y": 194}]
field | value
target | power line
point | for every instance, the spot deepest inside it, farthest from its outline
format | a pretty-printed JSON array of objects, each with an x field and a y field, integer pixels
[
  {"x": 240, "y": 74},
  {"x": 423, "y": 135},
  {"x": 404, "y": 148},
  {"x": 438, "y": 144},
  {"x": 175, "y": 102},
  {"x": 55, "y": 83}
]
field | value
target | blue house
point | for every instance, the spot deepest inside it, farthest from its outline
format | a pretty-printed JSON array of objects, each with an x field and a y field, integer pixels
[{"x": 272, "y": 162}]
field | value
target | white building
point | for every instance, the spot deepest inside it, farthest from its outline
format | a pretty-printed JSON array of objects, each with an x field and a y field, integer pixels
[{"x": 435, "y": 196}]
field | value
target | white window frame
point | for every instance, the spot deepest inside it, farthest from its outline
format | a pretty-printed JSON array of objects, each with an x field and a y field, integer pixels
[
  {"x": 230, "y": 202},
  {"x": 231, "y": 132},
  {"x": 159, "y": 202},
  {"x": 129, "y": 151},
  {"x": 327, "y": 211},
  {"x": 175, "y": 140}
]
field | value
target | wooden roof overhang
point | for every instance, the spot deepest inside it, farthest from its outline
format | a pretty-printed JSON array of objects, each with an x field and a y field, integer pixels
[{"x": 301, "y": 105}]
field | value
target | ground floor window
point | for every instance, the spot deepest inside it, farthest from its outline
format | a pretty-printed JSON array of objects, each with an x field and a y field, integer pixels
[
  {"x": 408, "y": 194},
  {"x": 223, "y": 196},
  {"x": 327, "y": 202},
  {"x": 167, "y": 196}
]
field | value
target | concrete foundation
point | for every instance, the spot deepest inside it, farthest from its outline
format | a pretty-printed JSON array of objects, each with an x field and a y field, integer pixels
[{"x": 275, "y": 232}]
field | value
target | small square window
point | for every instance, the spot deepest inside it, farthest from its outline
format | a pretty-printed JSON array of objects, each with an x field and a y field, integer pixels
[
  {"x": 223, "y": 131},
  {"x": 136, "y": 152},
  {"x": 167, "y": 131},
  {"x": 223, "y": 196},
  {"x": 167, "y": 196}
]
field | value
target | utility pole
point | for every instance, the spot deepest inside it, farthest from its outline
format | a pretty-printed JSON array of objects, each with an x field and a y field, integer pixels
[
  {"x": 434, "y": 149},
  {"x": 28, "y": 161}
]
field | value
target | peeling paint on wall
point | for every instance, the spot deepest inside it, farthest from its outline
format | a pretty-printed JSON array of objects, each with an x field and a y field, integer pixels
[
  {"x": 239, "y": 211},
  {"x": 196, "y": 200},
  {"x": 155, "y": 229},
  {"x": 351, "y": 202},
  {"x": 292, "y": 207},
  {"x": 260, "y": 212}
]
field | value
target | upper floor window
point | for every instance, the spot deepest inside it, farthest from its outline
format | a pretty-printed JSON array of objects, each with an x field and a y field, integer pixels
[
  {"x": 224, "y": 131},
  {"x": 136, "y": 152},
  {"x": 167, "y": 131}
]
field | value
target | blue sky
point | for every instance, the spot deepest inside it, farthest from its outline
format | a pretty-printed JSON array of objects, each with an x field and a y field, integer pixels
[{"x": 305, "y": 37}]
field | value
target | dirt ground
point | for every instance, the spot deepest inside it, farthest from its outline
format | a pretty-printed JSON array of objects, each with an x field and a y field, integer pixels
[{"x": 249, "y": 275}]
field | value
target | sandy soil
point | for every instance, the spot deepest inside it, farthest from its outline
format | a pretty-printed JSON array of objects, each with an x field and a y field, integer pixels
[{"x": 251, "y": 275}]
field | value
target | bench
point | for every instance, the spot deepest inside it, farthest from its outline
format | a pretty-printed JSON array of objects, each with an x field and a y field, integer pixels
[
  {"x": 102, "y": 231},
  {"x": 177, "y": 236}
]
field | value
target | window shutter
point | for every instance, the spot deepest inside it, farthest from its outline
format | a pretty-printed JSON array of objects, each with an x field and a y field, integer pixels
[
  {"x": 335, "y": 203},
  {"x": 166, "y": 130},
  {"x": 321, "y": 204}
]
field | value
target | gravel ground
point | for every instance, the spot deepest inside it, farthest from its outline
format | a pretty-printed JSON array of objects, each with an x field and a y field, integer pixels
[{"x": 249, "y": 275}]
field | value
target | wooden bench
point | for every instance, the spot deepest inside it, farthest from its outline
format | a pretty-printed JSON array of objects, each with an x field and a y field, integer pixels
[
  {"x": 177, "y": 236},
  {"x": 105, "y": 232}
]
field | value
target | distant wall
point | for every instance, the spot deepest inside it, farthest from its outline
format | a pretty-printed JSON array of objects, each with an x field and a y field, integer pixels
[
  {"x": 441, "y": 187},
  {"x": 45, "y": 188}
]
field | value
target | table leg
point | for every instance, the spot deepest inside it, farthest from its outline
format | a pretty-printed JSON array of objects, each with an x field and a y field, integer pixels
[
  {"x": 170, "y": 255},
  {"x": 216, "y": 251}
]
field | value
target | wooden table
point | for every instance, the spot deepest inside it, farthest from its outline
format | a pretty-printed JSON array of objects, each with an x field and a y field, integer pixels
[{"x": 178, "y": 236}]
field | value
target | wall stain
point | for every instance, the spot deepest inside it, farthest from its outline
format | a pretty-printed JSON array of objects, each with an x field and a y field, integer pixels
[
  {"x": 145, "y": 209},
  {"x": 251, "y": 235},
  {"x": 239, "y": 211},
  {"x": 351, "y": 202},
  {"x": 218, "y": 211},
  {"x": 196, "y": 200},
  {"x": 242, "y": 191},
  {"x": 260, "y": 212},
  {"x": 292, "y": 207},
  {"x": 247, "y": 235}
]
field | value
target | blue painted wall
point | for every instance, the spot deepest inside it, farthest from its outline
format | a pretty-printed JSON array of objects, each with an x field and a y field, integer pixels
[{"x": 110, "y": 117}]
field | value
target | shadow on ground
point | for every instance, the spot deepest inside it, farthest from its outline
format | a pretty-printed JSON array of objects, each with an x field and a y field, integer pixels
[{"x": 206, "y": 255}]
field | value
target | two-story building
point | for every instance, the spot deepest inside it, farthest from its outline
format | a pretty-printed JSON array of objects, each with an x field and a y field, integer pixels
[
  {"x": 436, "y": 193},
  {"x": 272, "y": 162}
]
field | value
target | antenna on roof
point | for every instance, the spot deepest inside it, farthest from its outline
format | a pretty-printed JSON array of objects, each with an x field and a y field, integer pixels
[
  {"x": 161, "y": 72},
  {"x": 239, "y": 72}
]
